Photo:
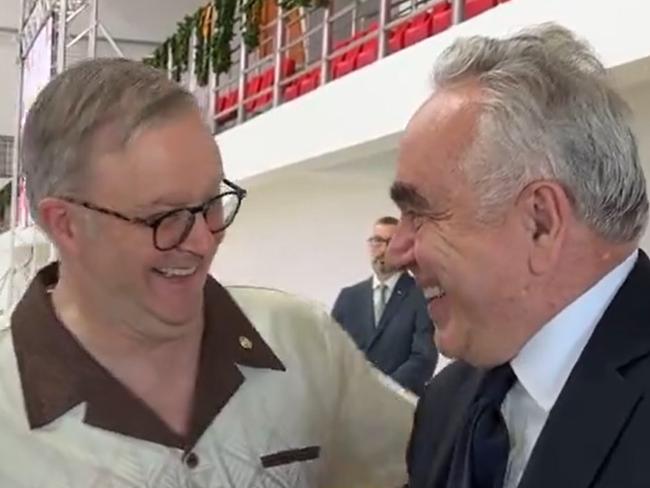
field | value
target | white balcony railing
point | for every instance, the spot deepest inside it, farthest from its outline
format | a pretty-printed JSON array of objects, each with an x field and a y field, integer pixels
[{"x": 301, "y": 50}]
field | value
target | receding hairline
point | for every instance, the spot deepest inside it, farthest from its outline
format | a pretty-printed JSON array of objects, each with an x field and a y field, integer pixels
[
  {"x": 449, "y": 107},
  {"x": 109, "y": 123},
  {"x": 387, "y": 220}
]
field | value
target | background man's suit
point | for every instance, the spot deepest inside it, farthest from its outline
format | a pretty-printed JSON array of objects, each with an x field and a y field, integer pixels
[
  {"x": 597, "y": 434},
  {"x": 401, "y": 345}
]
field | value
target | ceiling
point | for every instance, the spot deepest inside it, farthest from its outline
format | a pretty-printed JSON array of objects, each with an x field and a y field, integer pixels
[{"x": 140, "y": 20}]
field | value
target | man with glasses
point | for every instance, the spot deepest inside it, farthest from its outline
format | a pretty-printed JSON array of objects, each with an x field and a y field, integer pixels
[
  {"x": 387, "y": 317},
  {"x": 125, "y": 364}
]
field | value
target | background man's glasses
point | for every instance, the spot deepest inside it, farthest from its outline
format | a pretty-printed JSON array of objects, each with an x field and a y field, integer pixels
[
  {"x": 171, "y": 228},
  {"x": 376, "y": 240}
]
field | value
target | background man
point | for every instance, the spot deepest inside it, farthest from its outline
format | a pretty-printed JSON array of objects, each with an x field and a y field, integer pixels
[{"x": 387, "y": 317}]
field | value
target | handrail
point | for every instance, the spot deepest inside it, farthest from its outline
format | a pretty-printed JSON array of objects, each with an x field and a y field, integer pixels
[{"x": 388, "y": 16}]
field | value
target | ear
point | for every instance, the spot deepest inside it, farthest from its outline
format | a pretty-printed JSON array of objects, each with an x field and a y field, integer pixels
[
  {"x": 61, "y": 223},
  {"x": 546, "y": 209}
]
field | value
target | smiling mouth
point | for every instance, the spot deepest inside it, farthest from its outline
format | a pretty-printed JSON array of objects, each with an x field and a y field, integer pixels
[
  {"x": 434, "y": 293},
  {"x": 171, "y": 272}
]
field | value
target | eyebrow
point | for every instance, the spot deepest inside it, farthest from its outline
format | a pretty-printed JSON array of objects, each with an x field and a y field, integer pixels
[
  {"x": 406, "y": 195},
  {"x": 164, "y": 201}
]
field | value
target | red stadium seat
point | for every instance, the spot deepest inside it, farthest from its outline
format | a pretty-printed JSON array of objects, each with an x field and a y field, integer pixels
[
  {"x": 368, "y": 54},
  {"x": 476, "y": 7},
  {"x": 309, "y": 81},
  {"x": 291, "y": 91},
  {"x": 396, "y": 38},
  {"x": 227, "y": 102},
  {"x": 263, "y": 101},
  {"x": 252, "y": 88},
  {"x": 342, "y": 67},
  {"x": 419, "y": 29},
  {"x": 440, "y": 21}
]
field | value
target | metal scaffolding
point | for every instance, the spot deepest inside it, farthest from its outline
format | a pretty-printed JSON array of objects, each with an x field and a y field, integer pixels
[{"x": 70, "y": 21}]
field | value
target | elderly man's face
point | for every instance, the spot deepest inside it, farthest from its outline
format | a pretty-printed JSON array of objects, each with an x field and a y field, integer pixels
[
  {"x": 475, "y": 274},
  {"x": 166, "y": 165}
]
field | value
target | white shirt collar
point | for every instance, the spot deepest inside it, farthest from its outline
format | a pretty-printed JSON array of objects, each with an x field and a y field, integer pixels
[
  {"x": 545, "y": 362},
  {"x": 390, "y": 283}
]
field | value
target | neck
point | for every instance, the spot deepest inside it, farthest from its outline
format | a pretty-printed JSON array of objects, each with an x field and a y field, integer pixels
[
  {"x": 112, "y": 336},
  {"x": 383, "y": 277},
  {"x": 588, "y": 260},
  {"x": 157, "y": 362}
]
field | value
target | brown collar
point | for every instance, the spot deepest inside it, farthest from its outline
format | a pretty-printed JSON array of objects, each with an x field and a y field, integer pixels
[{"x": 57, "y": 373}]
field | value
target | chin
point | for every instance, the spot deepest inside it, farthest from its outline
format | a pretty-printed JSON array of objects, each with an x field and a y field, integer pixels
[
  {"x": 449, "y": 345},
  {"x": 179, "y": 314},
  {"x": 176, "y": 319}
]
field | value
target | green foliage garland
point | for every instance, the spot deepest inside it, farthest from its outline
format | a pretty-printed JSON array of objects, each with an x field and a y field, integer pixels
[{"x": 214, "y": 25}]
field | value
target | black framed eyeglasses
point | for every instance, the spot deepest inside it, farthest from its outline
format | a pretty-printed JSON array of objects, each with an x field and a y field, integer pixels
[
  {"x": 376, "y": 240},
  {"x": 170, "y": 229}
]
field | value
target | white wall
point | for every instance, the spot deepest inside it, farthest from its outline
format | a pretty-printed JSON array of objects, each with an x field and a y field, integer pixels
[
  {"x": 8, "y": 84},
  {"x": 638, "y": 97},
  {"x": 305, "y": 232}
]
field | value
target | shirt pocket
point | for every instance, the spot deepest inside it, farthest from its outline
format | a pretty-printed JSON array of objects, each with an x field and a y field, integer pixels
[{"x": 290, "y": 456}]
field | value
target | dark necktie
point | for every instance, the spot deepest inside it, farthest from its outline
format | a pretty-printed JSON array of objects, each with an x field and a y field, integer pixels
[
  {"x": 381, "y": 303},
  {"x": 481, "y": 453}
]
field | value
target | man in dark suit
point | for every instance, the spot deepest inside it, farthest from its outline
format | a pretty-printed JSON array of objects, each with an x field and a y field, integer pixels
[
  {"x": 523, "y": 203},
  {"x": 387, "y": 317}
]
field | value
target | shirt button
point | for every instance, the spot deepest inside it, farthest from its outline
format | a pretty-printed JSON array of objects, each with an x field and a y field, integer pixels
[{"x": 191, "y": 460}]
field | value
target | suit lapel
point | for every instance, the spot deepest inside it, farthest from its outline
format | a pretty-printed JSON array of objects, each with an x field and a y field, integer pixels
[
  {"x": 368, "y": 307},
  {"x": 597, "y": 401},
  {"x": 580, "y": 433},
  {"x": 402, "y": 287},
  {"x": 453, "y": 424}
]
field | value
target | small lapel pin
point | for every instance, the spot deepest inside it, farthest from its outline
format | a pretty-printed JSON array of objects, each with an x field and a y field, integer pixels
[{"x": 245, "y": 343}]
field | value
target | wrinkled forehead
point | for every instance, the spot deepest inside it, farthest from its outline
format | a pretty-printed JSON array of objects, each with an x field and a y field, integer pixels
[
  {"x": 437, "y": 137},
  {"x": 445, "y": 124}
]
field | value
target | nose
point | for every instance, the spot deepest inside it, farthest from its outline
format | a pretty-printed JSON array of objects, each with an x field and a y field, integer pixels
[
  {"x": 200, "y": 240},
  {"x": 400, "y": 248}
]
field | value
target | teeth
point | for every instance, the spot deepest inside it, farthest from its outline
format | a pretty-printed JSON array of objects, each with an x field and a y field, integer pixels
[
  {"x": 434, "y": 292},
  {"x": 170, "y": 272}
]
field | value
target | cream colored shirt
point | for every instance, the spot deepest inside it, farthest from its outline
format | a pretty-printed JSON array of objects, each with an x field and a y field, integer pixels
[{"x": 328, "y": 401}]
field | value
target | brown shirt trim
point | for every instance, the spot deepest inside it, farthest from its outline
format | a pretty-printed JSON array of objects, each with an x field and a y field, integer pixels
[{"x": 57, "y": 373}]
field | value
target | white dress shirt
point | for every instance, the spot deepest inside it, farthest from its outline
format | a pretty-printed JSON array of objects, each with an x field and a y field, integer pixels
[
  {"x": 545, "y": 363},
  {"x": 390, "y": 284}
]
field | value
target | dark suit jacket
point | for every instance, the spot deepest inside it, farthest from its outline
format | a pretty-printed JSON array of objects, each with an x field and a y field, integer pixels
[
  {"x": 402, "y": 343},
  {"x": 598, "y": 433}
]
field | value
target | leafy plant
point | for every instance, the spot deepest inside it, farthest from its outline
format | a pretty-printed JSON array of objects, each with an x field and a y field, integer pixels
[{"x": 214, "y": 25}]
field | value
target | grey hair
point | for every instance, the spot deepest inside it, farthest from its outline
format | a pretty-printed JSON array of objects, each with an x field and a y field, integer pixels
[
  {"x": 548, "y": 112},
  {"x": 63, "y": 122}
]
